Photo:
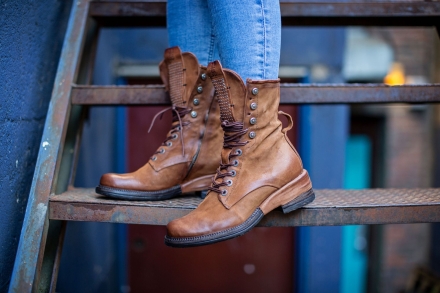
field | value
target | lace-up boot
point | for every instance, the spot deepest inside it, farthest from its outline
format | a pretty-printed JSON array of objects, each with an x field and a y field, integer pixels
[
  {"x": 189, "y": 156},
  {"x": 260, "y": 169}
]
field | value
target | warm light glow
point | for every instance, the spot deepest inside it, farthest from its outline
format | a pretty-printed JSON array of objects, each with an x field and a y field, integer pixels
[{"x": 396, "y": 75}]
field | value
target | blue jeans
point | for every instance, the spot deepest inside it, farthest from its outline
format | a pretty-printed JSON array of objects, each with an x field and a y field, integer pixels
[{"x": 245, "y": 35}]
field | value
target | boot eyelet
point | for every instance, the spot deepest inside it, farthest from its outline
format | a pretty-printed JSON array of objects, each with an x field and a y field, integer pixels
[
  {"x": 254, "y": 91},
  {"x": 169, "y": 143},
  {"x": 199, "y": 89},
  {"x": 175, "y": 136},
  {"x": 229, "y": 182},
  {"x": 154, "y": 158},
  {"x": 235, "y": 163},
  {"x": 203, "y": 76},
  {"x": 161, "y": 151},
  {"x": 238, "y": 152},
  {"x": 196, "y": 102},
  {"x": 253, "y": 106},
  {"x": 252, "y": 134},
  {"x": 193, "y": 114},
  {"x": 253, "y": 120},
  {"x": 233, "y": 173},
  {"x": 224, "y": 192}
]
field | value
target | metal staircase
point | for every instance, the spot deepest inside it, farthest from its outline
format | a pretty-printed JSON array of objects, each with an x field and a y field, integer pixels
[{"x": 53, "y": 200}]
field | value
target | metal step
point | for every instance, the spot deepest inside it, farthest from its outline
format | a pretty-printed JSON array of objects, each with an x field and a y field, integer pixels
[
  {"x": 299, "y": 13},
  {"x": 330, "y": 208},
  {"x": 290, "y": 94}
]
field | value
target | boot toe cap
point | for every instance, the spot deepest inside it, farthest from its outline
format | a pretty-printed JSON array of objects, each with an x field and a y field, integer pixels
[
  {"x": 109, "y": 179},
  {"x": 177, "y": 228},
  {"x": 122, "y": 181}
]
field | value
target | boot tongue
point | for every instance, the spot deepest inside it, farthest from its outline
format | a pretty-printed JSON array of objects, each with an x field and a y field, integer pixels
[
  {"x": 179, "y": 72},
  {"x": 230, "y": 93}
]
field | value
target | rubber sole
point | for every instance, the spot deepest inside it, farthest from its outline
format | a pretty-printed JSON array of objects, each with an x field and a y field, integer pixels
[
  {"x": 127, "y": 194},
  {"x": 246, "y": 226},
  {"x": 227, "y": 234},
  {"x": 302, "y": 200}
]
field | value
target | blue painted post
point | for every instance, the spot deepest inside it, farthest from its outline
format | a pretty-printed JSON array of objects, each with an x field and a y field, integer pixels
[
  {"x": 323, "y": 136},
  {"x": 121, "y": 167}
]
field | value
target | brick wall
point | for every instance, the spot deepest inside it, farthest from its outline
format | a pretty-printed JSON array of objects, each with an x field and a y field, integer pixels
[{"x": 408, "y": 156}]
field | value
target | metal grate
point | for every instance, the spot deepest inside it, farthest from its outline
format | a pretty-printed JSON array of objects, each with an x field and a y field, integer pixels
[{"x": 331, "y": 207}]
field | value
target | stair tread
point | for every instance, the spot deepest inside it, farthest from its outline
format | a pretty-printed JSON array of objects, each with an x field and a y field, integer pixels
[
  {"x": 291, "y": 93},
  {"x": 331, "y": 207},
  {"x": 386, "y": 13}
]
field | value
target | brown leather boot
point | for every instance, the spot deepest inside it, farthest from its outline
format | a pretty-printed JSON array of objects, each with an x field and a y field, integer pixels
[
  {"x": 188, "y": 158},
  {"x": 260, "y": 169}
]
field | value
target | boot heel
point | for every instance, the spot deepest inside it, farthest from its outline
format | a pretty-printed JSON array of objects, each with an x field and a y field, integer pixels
[
  {"x": 302, "y": 200},
  {"x": 291, "y": 195}
]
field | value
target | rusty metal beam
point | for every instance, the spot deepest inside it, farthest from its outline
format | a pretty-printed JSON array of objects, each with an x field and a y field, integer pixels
[
  {"x": 331, "y": 207},
  {"x": 297, "y": 13},
  {"x": 29, "y": 260},
  {"x": 119, "y": 95},
  {"x": 290, "y": 94}
]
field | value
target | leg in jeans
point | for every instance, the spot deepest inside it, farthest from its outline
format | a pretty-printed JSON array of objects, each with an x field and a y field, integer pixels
[
  {"x": 248, "y": 35},
  {"x": 260, "y": 170},
  {"x": 189, "y": 27},
  {"x": 247, "y": 32}
]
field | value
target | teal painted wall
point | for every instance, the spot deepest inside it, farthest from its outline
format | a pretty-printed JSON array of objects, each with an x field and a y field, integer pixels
[{"x": 354, "y": 238}]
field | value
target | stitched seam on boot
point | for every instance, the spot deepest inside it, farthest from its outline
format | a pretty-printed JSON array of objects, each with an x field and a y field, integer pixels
[{"x": 138, "y": 191}]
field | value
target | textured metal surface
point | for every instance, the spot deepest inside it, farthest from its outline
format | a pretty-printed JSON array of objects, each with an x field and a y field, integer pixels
[
  {"x": 290, "y": 94},
  {"x": 386, "y": 13},
  {"x": 341, "y": 198},
  {"x": 331, "y": 207}
]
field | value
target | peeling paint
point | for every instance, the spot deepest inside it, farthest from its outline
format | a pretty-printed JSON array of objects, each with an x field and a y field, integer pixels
[{"x": 40, "y": 213}]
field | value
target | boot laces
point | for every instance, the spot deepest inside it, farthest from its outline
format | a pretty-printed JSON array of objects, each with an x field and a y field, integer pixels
[
  {"x": 233, "y": 132},
  {"x": 178, "y": 114}
]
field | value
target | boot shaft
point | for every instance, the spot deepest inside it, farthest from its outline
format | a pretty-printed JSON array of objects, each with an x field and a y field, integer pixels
[
  {"x": 190, "y": 91},
  {"x": 179, "y": 73},
  {"x": 188, "y": 157},
  {"x": 256, "y": 151},
  {"x": 254, "y": 104}
]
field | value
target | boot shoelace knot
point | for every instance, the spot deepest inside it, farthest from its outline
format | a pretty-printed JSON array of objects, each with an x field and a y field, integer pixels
[{"x": 233, "y": 132}]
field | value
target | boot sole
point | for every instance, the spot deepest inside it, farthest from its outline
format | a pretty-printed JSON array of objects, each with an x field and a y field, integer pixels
[
  {"x": 127, "y": 194},
  {"x": 197, "y": 184},
  {"x": 299, "y": 201}
]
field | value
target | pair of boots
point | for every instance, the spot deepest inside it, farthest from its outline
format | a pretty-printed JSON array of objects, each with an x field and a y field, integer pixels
[{"x": 225, "y": 137}]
